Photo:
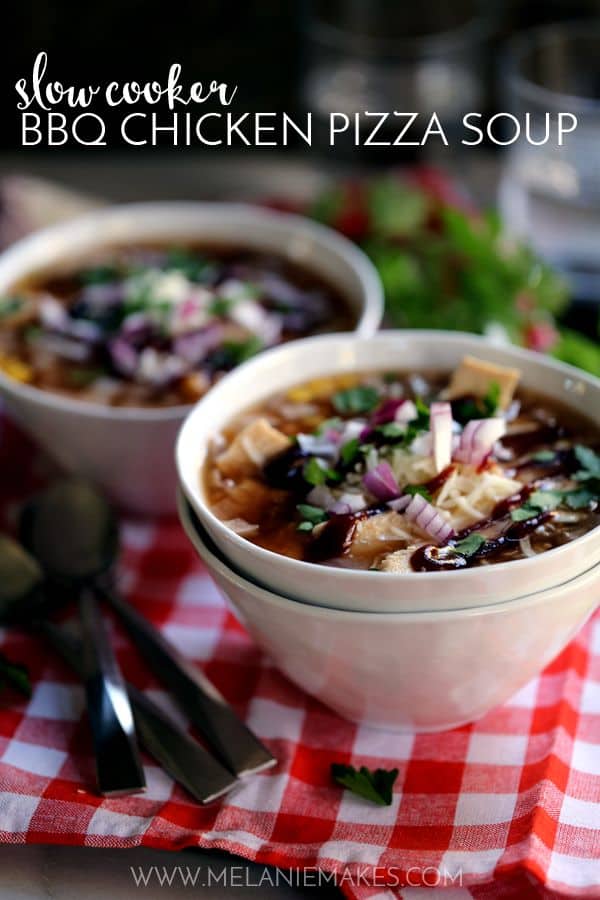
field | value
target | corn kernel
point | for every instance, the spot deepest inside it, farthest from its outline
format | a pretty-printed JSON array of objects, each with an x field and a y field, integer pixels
[
  {"x": 16, "y": 369},
  {"x": 321, "y": 388}
]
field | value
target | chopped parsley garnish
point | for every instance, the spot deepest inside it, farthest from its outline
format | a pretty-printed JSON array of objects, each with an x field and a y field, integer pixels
[
  {"x": 189, "y": 264},
  {"x": 316, "y": 473},
  {"x": 579, "y": 498},
  {"x": 477, "y": 407},
  {"x": 350, "y": 452},
  {"x": 375, "y": 786},
  {"x": 15, "y": 675},
  {"x": 543, "y": 456},
  {"x": 412, "y": 489},
  {"x": 100, "y": 275},
  {"x": 311, "y": 515},
  {"x": 392, "y": 430},
  {"x": 220, "y": 306},
  {"x": 9, "y": 305},
  {"x": 589, "y": 462},
  {"x": 538, "y": 502},
  {"x": 237, "y": 352},
  {"x": 359, "y": 399},
  {"x": 470, "y": 545},
  {"x": 305, "y": 526}
]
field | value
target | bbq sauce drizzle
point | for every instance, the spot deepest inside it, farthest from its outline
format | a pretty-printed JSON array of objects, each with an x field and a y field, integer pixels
[{"x": 334, "y": 537}]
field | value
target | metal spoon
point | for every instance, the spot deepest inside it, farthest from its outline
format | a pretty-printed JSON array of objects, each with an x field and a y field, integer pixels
[
  {"x": 68, "y": 555},
  {"x": 70, "y": 509},
  {"x": 25, "y": 601}
]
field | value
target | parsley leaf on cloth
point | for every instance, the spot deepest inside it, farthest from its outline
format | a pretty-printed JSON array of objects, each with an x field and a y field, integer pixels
[
  {"x": 14, "y": 675},
  {"x": 375, "y": 786}
]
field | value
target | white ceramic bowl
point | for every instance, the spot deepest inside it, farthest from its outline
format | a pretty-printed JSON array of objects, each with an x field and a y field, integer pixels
[
  {"x": 365, "y": 590},
  {"x": 129, "y": 452},
  {"x": 406, "y": 671}
]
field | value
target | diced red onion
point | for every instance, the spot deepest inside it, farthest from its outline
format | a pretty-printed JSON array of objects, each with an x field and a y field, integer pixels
[
  {"x": 406, "y": 412},
  {"x": 478, "y": 439},
  {"x": 317, "y": 445},
  {"x": 137, "y": 328},
  {"x": 427, "y": 517},
  {"x": 158, "y": 369},
  {"x": 356, "y": 502},
  {"x": 124, "y": 357},
  {"x": 340, "y": 509},
  {"x": 387, "y": 411},
  {"x": 321, "y": 496},
  {"x": 381, "y": 482},
  {"x": 400, "y": 504},
  {"x": 352, "y": 430},
  {"x": 194, "y": 346},
  {"x": 333, "y": 436},
  {"x": 422, "y": 444},
  {"x": 441, "y": 433},
  {"x": 252, "y": 316}
]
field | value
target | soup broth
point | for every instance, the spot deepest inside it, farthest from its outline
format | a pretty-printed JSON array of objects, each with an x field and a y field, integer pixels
[
  {"x": 403, "y": 472},
  {"x": 156, "y": 326}
]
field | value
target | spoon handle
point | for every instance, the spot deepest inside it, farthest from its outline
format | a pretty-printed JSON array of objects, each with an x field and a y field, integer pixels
[
  {"x": 118, "y": 765},
  {"x": 235, "y": 745},
  {"x": 186, "y": 761}
]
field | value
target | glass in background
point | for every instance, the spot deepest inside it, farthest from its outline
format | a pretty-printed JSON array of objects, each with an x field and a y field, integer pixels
[
  {"x": 381, "y": 55},
  {"x": 550, "y": 194}
]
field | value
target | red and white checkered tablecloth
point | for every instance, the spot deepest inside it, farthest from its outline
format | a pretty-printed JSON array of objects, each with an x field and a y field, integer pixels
[{"x": 508, "y": 807}]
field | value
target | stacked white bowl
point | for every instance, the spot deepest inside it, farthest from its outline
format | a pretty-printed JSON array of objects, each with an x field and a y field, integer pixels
[{"x": 423, "y": 651}]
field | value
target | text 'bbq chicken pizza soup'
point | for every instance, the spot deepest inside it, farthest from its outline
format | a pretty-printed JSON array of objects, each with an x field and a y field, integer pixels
[{"x": 408, "y": 471}]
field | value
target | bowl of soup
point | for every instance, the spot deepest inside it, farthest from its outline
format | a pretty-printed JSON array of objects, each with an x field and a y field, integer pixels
[
  {"x": 114, "y": 324},
  {"x": 405, "y": 671},
  {"x": 409, "y": 471}
]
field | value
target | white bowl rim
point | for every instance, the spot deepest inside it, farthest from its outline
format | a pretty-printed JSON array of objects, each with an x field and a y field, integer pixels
[
  {"x": 530, "y": 599},
  {"x": 367, "y": 324},
  {"x": 366, "y": 575}
]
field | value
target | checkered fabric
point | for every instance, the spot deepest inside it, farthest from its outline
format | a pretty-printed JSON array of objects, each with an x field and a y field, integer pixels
[{"x": 507, "y": 807}]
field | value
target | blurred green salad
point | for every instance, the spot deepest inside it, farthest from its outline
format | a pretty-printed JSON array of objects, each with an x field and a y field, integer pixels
[{"x": 445, "y": 266}]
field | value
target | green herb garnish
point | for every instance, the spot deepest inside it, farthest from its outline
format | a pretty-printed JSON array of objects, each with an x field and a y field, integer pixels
[
  {"x": 220, "y": 306},
  {"x": 236, "y": 352},
  {"x": 305, "y": 526},
  {"x": 100, "y": 275},
  {"x": 392, "y": 430},
  {"x": 9, "y": 305},
  {"x": 359, "y": 399},
  {"x": 469, "y": 545},
  {"x": 350, "y": 452},
  {"x": 538, "y": 502},
  {"x": 15, "y": 675},
  {"x": 189, "y": 264},
  {"x": 543, "y": 456},
  {"x": 316, "y": 473},
  {"x": 589, "y": 462},
  {"x": 375, "y": 786},
  {"x": 581, "y": 498},
  {"x": 312, "y": 514},
  {"x": 478, "y": 407},
  {"x": 412, "y": 489}
]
